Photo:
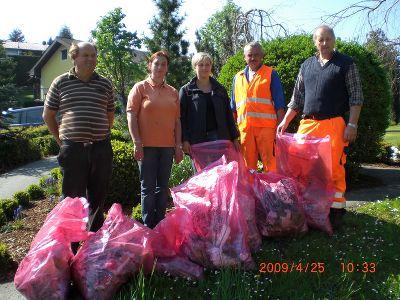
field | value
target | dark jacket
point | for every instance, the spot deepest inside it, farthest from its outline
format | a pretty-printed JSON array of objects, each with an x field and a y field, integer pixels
[{"x": 194, "y": 109}]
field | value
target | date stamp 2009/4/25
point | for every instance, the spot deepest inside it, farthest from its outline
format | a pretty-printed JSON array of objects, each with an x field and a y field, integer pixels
[{"x": 315, "y": 267}]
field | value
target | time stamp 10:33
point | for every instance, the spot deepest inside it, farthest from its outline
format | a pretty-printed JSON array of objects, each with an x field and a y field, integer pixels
[{"x": 316, "y": 267}]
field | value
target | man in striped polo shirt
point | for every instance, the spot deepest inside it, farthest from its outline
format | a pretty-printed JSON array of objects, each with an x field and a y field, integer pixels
[{"x": 84, "y": 103}]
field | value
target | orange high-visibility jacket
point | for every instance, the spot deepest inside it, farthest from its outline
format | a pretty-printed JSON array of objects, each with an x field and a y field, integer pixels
[{"x": 254, "y": 104}]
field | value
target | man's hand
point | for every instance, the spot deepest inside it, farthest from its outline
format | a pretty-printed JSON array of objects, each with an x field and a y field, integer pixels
[{"x": 350, "y": 133}]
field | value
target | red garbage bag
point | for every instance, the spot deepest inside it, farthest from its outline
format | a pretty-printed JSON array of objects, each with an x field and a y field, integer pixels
[
  {"x": 119, "y": 249},
  {"x": 308, "y": 160},
  {"x": 170, "y": 233},
  {"x": 179, "y": 266},
  {"x": 44, "y": 273},
  {"x": 279, "y": 207},
  {"x": 206, "y": 153},
  {"x": 218, "y": 232}
]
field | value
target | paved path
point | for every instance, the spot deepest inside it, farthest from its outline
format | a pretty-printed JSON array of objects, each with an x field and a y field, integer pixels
[
  {"x": 20, "y": 178},
  {"x": 390, "y": 188}
]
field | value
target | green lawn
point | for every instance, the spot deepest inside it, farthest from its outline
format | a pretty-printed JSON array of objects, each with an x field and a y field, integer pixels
[
  {"x": 368, "y": 241},
  {"x": 392, "y": 136}
]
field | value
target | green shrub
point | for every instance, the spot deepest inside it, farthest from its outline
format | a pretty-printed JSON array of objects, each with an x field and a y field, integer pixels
[
  {"x": 287, "y": 54},
  {"x": 56, "y": 174},
  {"x": 3, "y": 217},
  {"x": 5, "y": 257},
  {"x": 47, "y": 145},
  {"x": 124, "y": 186},
  {"x": 137, "y": 213},
  {"x": 8, "y": 206},
  {"x": 121, "y": 124},
  {"x": 22, "y": 198},
  {"x": 34, "y": 132},
  {"x": 16, "y": 149},
  {"x": 117, "y": 135},
  {"x": 181, "y": 172},
  {"x": 35, "y": 192}
]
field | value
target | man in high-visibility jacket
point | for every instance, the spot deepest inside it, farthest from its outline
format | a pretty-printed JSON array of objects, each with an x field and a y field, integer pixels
[
  {"x": 258, "y": 105},
  {"x": 328, "y": 86}
]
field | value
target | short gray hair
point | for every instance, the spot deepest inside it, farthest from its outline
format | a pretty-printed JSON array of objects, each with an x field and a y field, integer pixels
[
  {"x": 253, "y": 45},
  {"x": 326, "y": 27},
  {"x": 200, "y": 56}
]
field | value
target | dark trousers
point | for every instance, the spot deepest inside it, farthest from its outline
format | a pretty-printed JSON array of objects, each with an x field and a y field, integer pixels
[
  {"x": 87, "y": 169},
  {"x": 155, "y": 170}
]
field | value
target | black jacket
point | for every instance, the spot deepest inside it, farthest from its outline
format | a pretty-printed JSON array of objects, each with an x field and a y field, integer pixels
[{"x": 194, "y": 109}]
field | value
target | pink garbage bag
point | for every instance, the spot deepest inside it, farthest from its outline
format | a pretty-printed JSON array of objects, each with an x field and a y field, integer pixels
[
  {"x": 218, "y": 233},
  {"x": 179, "y": 266},
  {"x": 108, "y": 258},
  {"x": 206, "y": 153},
  {"x": 44, "y": 273},
  {"x": 279, "y": 207},
  {"x": 308, "y": 160}
]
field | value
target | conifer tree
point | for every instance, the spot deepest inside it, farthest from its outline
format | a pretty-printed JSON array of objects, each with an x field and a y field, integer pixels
[{"x": 168, "y": 36}]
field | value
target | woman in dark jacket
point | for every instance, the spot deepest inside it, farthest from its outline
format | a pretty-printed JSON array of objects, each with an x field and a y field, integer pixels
[{"x": 205, "y": 110}]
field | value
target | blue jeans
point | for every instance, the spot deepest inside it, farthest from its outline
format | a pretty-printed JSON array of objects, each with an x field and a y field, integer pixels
[{"x": 155, "y": 170}]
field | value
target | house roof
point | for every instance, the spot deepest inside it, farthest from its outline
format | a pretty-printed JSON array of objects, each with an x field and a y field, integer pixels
[
  {"x": 139, "y": 56},
  {"x": 35, "y": 71},
  {"x": 24, "y": 46}
]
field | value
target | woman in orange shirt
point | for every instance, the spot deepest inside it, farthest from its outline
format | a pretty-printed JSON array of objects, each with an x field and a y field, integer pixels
[{"x": 153, "y": 114}]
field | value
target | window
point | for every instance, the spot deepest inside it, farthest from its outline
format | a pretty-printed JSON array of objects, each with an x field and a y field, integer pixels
[{"x": 64, "y": 55}]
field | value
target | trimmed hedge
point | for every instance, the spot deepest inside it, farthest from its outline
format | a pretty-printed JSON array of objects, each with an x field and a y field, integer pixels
[
  {"x": 287, "y": 54},
  {"x": 3, "y": 217},
  {"x": 23, "y": 198},
  {"x": 5, "y": 257},
  {"x": 124, "y": 187},
  {"x": 19, "y": 146},
  {"x": 35, "y": 192},
  {"x": 8, "y": 206}
]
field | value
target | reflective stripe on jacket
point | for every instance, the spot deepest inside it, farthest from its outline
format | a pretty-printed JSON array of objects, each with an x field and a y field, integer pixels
[{"x": 254, "y": 104}]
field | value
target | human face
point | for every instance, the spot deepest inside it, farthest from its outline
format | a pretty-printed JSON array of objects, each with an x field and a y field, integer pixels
[
  {"x": 325, "y": 42},
  {"x": 85, "y": 61},
  {"x": 203, "y": 69},
  {"x": 253, "y": 57},
  {"x": 159, "y": 68}
]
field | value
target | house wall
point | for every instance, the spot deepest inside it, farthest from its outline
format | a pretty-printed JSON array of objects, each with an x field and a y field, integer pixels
[{"x": 55, "y": 66}]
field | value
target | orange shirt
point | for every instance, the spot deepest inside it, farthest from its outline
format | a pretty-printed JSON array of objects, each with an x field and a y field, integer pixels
[{"x": 157, "y": 109}]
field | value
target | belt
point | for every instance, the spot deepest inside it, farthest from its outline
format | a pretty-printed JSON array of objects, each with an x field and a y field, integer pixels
[
  {"x": 85, "y": 143},
  {"x": 318, "y": 117}
]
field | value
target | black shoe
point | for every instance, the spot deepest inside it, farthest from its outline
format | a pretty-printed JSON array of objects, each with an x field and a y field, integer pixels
[{"x": 336, "y": 217}]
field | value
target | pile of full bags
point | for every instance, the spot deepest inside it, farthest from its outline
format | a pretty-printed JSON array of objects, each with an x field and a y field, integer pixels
[{"x": 44, "y": 273}]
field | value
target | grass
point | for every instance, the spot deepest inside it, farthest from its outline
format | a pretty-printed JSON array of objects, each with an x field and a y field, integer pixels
[
  {"x": 369, "y": 235},
  {"x": 392, "y": 136}
]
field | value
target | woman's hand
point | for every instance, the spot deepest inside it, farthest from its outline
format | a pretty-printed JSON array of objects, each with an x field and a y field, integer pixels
[
  {"x": 178, "y": 154},
  {"x": 138, "y": 153},
  {"x": 186, "y": 147}
]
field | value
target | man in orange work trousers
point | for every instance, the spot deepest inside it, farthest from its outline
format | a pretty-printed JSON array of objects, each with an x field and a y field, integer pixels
[
  {"x": 258, "y": 105},
  {"x": 328, "y": 87}
]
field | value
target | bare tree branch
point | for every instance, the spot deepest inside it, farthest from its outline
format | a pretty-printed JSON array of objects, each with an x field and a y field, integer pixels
[{"x": 256, "y": 24}]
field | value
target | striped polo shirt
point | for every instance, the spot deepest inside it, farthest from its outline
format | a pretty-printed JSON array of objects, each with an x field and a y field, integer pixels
[{"x": 82, "y": 106}]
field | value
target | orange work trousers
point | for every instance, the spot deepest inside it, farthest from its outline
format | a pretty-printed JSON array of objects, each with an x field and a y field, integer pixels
[
  {"x": 259, "y": 142},
  {"x": 335, "y": 129}
]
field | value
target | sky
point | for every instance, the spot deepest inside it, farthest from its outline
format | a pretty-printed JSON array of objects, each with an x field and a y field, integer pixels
[{"x": 42, "y": 19}]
